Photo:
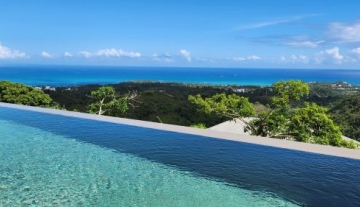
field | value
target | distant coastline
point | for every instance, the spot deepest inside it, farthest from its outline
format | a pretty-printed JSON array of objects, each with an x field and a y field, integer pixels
[{"x": 56, "y": 76}]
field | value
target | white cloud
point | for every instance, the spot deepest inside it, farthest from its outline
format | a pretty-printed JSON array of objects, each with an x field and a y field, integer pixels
[
  {"x": 117, "y": 53},
  {"x": 7, "y": 53},
  {"x": 162, "y": 58},
  {"x": 46, "y": 55},
  {"x": 273, "y": 23},
  {"x": 252, "y": 57},
  {"x": 238, "y": 59},
  {"x": 86, "y": 54},
  {"x": 109, "y": 53},
  {"x": 204, "y": 59},
  {"x": 299, "y": 58},
  {"x": 332, "y": 55},
  {"x": 294, "y": 59},
  {"x": 264, "y": 24},
  {"x": 67, "y": 54},
  {"x": 306, "y": 44},
  {"x": 345, "y": 32},
  {"x": 335, "y": 54},
  {"x": 186, "y": 55},
  {"x": 356, "y": 51}
]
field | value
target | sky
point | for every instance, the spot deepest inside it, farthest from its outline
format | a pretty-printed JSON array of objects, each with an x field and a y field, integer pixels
[{"x": 187, "y": 33}]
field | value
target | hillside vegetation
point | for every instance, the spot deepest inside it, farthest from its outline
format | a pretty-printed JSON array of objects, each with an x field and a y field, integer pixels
[
  {"x": 168, "y": 102},
  {"x": 346, "y": 114}
]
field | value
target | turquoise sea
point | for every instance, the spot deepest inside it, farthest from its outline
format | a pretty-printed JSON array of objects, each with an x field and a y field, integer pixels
[{"x": 79, "y": 75}]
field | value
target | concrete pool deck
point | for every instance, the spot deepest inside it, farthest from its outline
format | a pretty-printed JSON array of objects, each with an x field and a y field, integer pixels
[{"x": 286, "y": 144}]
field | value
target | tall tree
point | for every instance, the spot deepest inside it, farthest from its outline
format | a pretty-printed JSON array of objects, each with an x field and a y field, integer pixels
[
  {"x": 275, "y": 121},
  {"x": 286, "y": 92},
  {"x": 310, "y": 123},
  {"x": 284, "y": 118},
  {"x": 230, "y": 106},
  {"x": 107, "y": 102}
]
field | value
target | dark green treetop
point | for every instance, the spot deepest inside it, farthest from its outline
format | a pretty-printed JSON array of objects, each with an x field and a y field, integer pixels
[
  {"x": 230, "y": 106},
  {"x": 284, "y": 119},
  {"x": 21, "y": 94},
  {"x": 107, "y": 102}
]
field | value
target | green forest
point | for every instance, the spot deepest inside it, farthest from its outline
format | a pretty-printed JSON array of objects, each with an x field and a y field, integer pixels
[{"x": 174, "y": 103}]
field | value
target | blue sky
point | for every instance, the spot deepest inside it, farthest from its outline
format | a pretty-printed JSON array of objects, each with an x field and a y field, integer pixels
[{"x": 256, "y": 33}]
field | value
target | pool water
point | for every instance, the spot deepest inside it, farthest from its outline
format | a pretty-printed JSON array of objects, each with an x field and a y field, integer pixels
[
  {"x": 52, "y": 160},
  {"x": 45, "y": 169}
]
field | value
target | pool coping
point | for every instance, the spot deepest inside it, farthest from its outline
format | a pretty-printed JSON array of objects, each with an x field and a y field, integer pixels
[{"x": 278, "y": 143}]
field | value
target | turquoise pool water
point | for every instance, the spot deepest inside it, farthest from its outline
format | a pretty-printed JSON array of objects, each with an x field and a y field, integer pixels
[
  {"x": 51, "y": 160},
  {"x": 46, "y": 169}
]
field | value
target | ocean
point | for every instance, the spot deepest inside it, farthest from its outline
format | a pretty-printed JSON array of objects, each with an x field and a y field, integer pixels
[{"x": 81, "y": 75}]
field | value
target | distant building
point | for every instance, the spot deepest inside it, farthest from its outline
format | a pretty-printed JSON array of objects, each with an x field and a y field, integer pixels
[
  {"x": 240, "y": 90},
  {"x": 50, "y": 88}
]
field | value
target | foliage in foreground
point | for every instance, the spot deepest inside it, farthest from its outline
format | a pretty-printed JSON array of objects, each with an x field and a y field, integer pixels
[
  {"x": 311, "y": 124},
  {"x": 18, "y": 93},
  {"x": 231, "y": 106},
  {"x": 307, "y": 123}
]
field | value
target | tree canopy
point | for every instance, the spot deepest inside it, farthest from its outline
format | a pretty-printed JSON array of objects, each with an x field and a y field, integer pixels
[
  {"x": 310, "y": 123},
  {"x": 230, "y": 106},
  {"x": 285, "y": 117},
  {"x": 275, "y": 121},
  {"x": 107, "y": 102},
  {"x": 286, "y": 92},
  {"x": 21, "y": 94}
]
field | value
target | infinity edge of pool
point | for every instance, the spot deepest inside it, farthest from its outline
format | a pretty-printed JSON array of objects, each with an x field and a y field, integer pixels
[{"x": 278, "y": 143}]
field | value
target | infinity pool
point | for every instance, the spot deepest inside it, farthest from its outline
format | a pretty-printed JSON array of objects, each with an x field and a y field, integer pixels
[{"x": 54, "y": 160}]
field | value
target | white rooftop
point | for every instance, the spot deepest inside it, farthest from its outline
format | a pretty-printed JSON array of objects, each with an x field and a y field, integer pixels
[{"x": 233, "y": 126}]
